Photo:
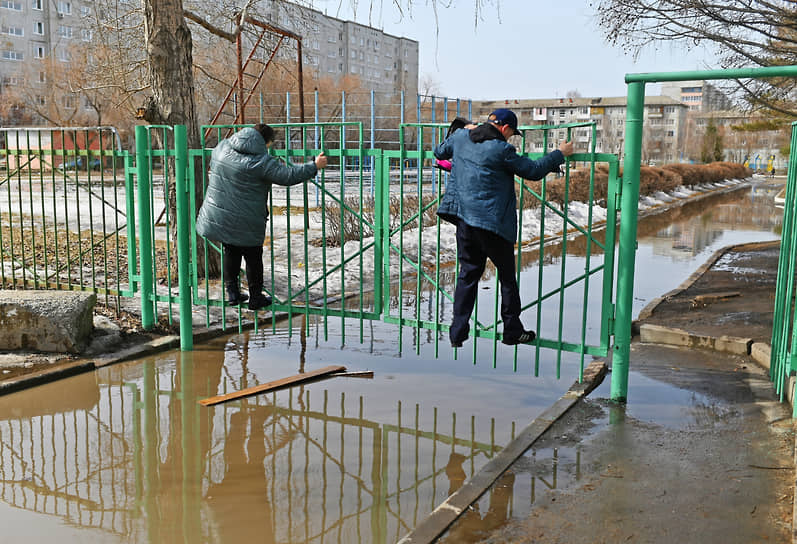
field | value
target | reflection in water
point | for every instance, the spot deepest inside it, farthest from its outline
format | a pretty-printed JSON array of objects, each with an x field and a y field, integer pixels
[{"x": 146, "y": 463}]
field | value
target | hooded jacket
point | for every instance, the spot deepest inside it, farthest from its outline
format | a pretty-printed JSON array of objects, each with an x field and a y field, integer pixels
[
  {"x": 235, "y": 209},
  {"x": 481, "y": 189}
]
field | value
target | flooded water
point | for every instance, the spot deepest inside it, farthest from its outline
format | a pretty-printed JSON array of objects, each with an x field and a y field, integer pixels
[{"x": 127, "y": 454}]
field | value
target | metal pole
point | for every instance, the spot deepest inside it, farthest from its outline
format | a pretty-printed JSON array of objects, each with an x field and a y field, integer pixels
[
  {"x": 301, "y": 80},
  {"x": 373, "y": 139},
  {"x": 629, "y": 210},
  {"x": 144, "y": 227},
  {"x": 183, "y": 234}
]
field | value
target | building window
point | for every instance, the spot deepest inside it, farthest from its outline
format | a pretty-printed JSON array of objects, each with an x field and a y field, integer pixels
[
  {"x": 13, "y": 55},
  {"x": 354, "y": 54},
  {"x": 41, "y": 101},
  {"x": 36, "y": 4},
  {"x": 38, "y": 52},
  {"x": 340, "y": 67},
  {"x": 13, "y": 30},
  {"x": 65, "y": 32},
  {"x": 42, "y": 77},
  {"x": 38, "y": 28},
  {"x": 85, "y": 35},
  {"x": 85, "y": 11},
  {"x": 670, "y": 133},
  {"x": 68, "y": 101},
  {"x": 64, "y": 8},
  {"x": 63, "y": 55},
  {"x": 10, "y": 4}
]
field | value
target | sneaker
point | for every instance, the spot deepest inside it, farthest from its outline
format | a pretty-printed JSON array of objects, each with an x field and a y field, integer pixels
[
  {"x": 526, "y": 337},
  {"x": 259, "y": 302},
  {"x": 456, "y": 344}
]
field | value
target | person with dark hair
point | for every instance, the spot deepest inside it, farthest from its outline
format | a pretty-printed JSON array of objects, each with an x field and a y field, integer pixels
[
  {"x": 235, "y": 209},
  {"x": 483, "y": 206}
]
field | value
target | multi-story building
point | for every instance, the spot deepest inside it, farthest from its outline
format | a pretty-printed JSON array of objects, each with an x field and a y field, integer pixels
[
  {"x": 664, "y": 124},
  {"x": 37, "y": 29},
  {"x": 700, "y": 96},
  {"x": 335, "y": 48}
]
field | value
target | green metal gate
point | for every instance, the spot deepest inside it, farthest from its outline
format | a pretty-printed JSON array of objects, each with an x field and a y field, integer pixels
[
  {"x": 347, "y": 245},
  {"x": 422, "y": 260}
]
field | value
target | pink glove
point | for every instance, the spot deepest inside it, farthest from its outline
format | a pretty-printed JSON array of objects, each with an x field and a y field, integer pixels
[{"x": 443, "y": 165}]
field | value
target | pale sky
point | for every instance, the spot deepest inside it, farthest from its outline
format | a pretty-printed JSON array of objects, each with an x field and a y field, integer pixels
[{"x": 524, "y": 49}]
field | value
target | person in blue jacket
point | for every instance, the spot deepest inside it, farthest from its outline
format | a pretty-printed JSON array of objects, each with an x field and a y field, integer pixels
[
  {"x": 480, "y": 200},
  {"x": 235, "y": 209}
]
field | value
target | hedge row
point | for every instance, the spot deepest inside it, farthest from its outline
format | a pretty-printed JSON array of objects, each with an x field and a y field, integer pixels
[{"x": 652, "y": 179}]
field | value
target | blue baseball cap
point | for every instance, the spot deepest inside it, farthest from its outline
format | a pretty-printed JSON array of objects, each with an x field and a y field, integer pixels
[{"x": 503, "y": 116}]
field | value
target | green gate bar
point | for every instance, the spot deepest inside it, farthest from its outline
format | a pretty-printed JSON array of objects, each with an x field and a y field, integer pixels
[{"x": 630, "y": 200}]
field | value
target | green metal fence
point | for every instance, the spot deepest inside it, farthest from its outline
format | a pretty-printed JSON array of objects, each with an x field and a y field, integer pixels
[
  {"x": 347, "y": 245},
  {"x": 783, "y": 360},
  {"x": 64, "y": 204},
  {"x": 359, "y": 242}
]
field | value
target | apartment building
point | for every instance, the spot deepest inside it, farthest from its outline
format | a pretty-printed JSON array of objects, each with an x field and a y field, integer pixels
[
  {"x": 664, "y": 124},
  {"x": 700, "y": 96},
  {"x": 334, "y": 48},
  {"x": 36, "y": 29}
]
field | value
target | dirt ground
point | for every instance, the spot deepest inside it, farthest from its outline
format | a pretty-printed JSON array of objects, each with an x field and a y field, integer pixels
[{"x": 733, "y": 294}]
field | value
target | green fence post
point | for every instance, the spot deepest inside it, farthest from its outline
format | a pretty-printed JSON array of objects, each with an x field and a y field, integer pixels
[
  {"x": 144, "y": 227},
  {"x": 183, "y": 235},
  {"x": 628, "y": 243}
]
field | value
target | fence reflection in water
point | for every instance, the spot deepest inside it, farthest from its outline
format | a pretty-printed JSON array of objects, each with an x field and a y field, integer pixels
[{"x": 134, "y": 454}]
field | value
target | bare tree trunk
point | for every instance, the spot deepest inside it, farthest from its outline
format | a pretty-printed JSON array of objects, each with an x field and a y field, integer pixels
[{"x": 169, "y": 50}]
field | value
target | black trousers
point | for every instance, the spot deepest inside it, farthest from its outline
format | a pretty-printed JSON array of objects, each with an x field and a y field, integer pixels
[
  {"x": 254, "y": 266},
  {"x": 474, "y": 247}
]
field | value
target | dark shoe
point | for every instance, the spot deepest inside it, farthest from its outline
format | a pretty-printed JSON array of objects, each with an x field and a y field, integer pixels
[
  {"x": 526, "y": 337},
  {"x": 236, "y": 298},
  {"x": 457, "y": 343},
  {"x": 259, "y": 301}
]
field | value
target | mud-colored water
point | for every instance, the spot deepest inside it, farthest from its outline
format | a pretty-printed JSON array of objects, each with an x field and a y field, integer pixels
[{"x": 128, "y": 455}]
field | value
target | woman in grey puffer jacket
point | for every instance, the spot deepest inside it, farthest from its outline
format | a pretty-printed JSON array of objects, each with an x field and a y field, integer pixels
[{"x": 235, "y": 209}]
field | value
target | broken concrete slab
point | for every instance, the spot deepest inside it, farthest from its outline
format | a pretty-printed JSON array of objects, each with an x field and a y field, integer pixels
[{"x": 50, "y": 321}]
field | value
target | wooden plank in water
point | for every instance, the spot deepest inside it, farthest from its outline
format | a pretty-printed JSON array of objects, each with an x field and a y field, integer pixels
[{"x": 282, "y": 382}]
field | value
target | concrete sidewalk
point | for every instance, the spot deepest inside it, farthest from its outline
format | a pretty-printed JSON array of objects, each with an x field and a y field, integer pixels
[{"x": 702, "y": 452}]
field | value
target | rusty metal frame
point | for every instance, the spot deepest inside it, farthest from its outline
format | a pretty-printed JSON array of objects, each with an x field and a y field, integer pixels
[{"x": 238, "y": 88}]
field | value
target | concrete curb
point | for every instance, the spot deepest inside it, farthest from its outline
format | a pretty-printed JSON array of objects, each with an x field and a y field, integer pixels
[{"x": 436, "y": 523}]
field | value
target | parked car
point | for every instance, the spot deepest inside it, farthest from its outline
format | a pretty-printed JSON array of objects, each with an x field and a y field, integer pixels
[{"x": 78, "y": 163}]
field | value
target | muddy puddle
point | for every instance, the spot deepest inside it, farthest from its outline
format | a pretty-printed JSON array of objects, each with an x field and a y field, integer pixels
[{"x": 127, "y": 454}]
